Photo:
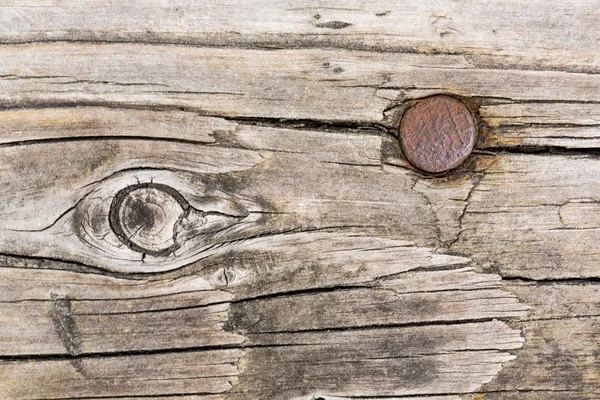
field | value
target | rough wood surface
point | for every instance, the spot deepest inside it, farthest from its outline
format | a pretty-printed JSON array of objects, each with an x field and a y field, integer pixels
[
  {"x": 209, "y": 201},
  {"x": 317, "y": 84},
  {"x": 560, "y": 34}
]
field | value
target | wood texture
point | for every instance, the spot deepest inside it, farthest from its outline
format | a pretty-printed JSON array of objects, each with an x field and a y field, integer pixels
[
  {"x": 329, "y": 85},
  {"x": 561, "y": 34},
  {"x": 302, "y": 257}
]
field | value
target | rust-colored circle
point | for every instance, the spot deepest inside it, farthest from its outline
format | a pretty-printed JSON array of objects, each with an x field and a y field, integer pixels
[{"x": 437, "y": 133}]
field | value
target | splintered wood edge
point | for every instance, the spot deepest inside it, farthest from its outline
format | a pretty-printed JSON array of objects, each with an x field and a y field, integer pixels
[{"x": 400, "y": 348}]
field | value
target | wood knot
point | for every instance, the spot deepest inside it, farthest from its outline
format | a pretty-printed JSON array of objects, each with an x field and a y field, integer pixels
[
  {"x": 145, "y": 217},
  {"x": 151, "y": 221},
  {"x": 156, "y": 220}
]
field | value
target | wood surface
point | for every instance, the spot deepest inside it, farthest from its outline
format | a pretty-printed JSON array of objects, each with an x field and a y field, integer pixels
[{"x": 304, "y": 257}]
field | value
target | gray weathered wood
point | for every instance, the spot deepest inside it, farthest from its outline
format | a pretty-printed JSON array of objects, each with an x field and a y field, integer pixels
[
  {"x": 328, "y": 85},
  {"x": 303, "y": 257},
  {"x": 556, "y": 34},
  {"x": 66, "y": 311}
]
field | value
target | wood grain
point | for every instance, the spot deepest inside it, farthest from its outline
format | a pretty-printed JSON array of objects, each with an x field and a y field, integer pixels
[
  {"x": 560, "y": 34},
  {"x": 338, "y": 85},
  {"x": 164, "y": 374},
  {"x": 238, "y": 294},
  {"x": 302, "y": 257}
]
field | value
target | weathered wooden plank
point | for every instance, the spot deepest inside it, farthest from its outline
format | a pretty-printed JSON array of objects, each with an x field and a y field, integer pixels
[
  {"x": 391, "y": 398},
  {"x": 199, "y": 372},
  {"x": 351, "y": 356},
  {"x": 283, "y": 186},
  {"x": 534, "y": 113},
  {"x": 184, "y": 397},
  {"x": 263, "y": 266},
  {"x": 327, "y": 362},
  {"x": 360, "y": 307},
  {"x": 82, "y": 162},
  {"x": 94, "y": 313},
  {"x": 311, "y": 397},
  {"x": 22, "y": 126},
  {"x": 411, "y": 339},
  {"x": 531, "y": 395},
  {"x": 323, "y": 397},
  {"x": 387, "y": 309},
  {"x": 555, "y": 353},
  {"x": 253, "y": 197},
  {"x": 26, "y": 279},
  {"x": 291, "y": 84},
  {"x": 73, "y": 327},
  {"x": 386, "y": 257},
  {"x": 458, "y": 358},
  {"x": 538, "y": 125},
  {"x": 560, "y": 34},
  {"x": 536, "y": 138},
  {"x": 555, "y": 366},
  {"x": 38, "y": 126},
  {"x": 560, "y": 355},
  {"x": 259, "y": 267}
]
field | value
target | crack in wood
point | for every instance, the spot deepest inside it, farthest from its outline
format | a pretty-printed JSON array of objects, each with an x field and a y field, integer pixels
[{"x": 336, "y": 280}]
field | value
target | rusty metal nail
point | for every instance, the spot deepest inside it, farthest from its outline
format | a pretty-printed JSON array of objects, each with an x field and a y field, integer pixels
[{"x": 437, "y": 133}]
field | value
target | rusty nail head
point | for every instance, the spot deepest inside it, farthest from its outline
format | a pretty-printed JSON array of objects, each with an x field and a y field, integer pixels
[{"x": 437, "y": 133}]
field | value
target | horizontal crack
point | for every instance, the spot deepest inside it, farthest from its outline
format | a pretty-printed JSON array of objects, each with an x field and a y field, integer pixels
[
  {"x": 91, "y": 138},
  {"x": 552, "y": 281},
  {"x": 142, "y": 396},
  {"x": 346, "y": 127},
  {"x": 548, "y": 150}
]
